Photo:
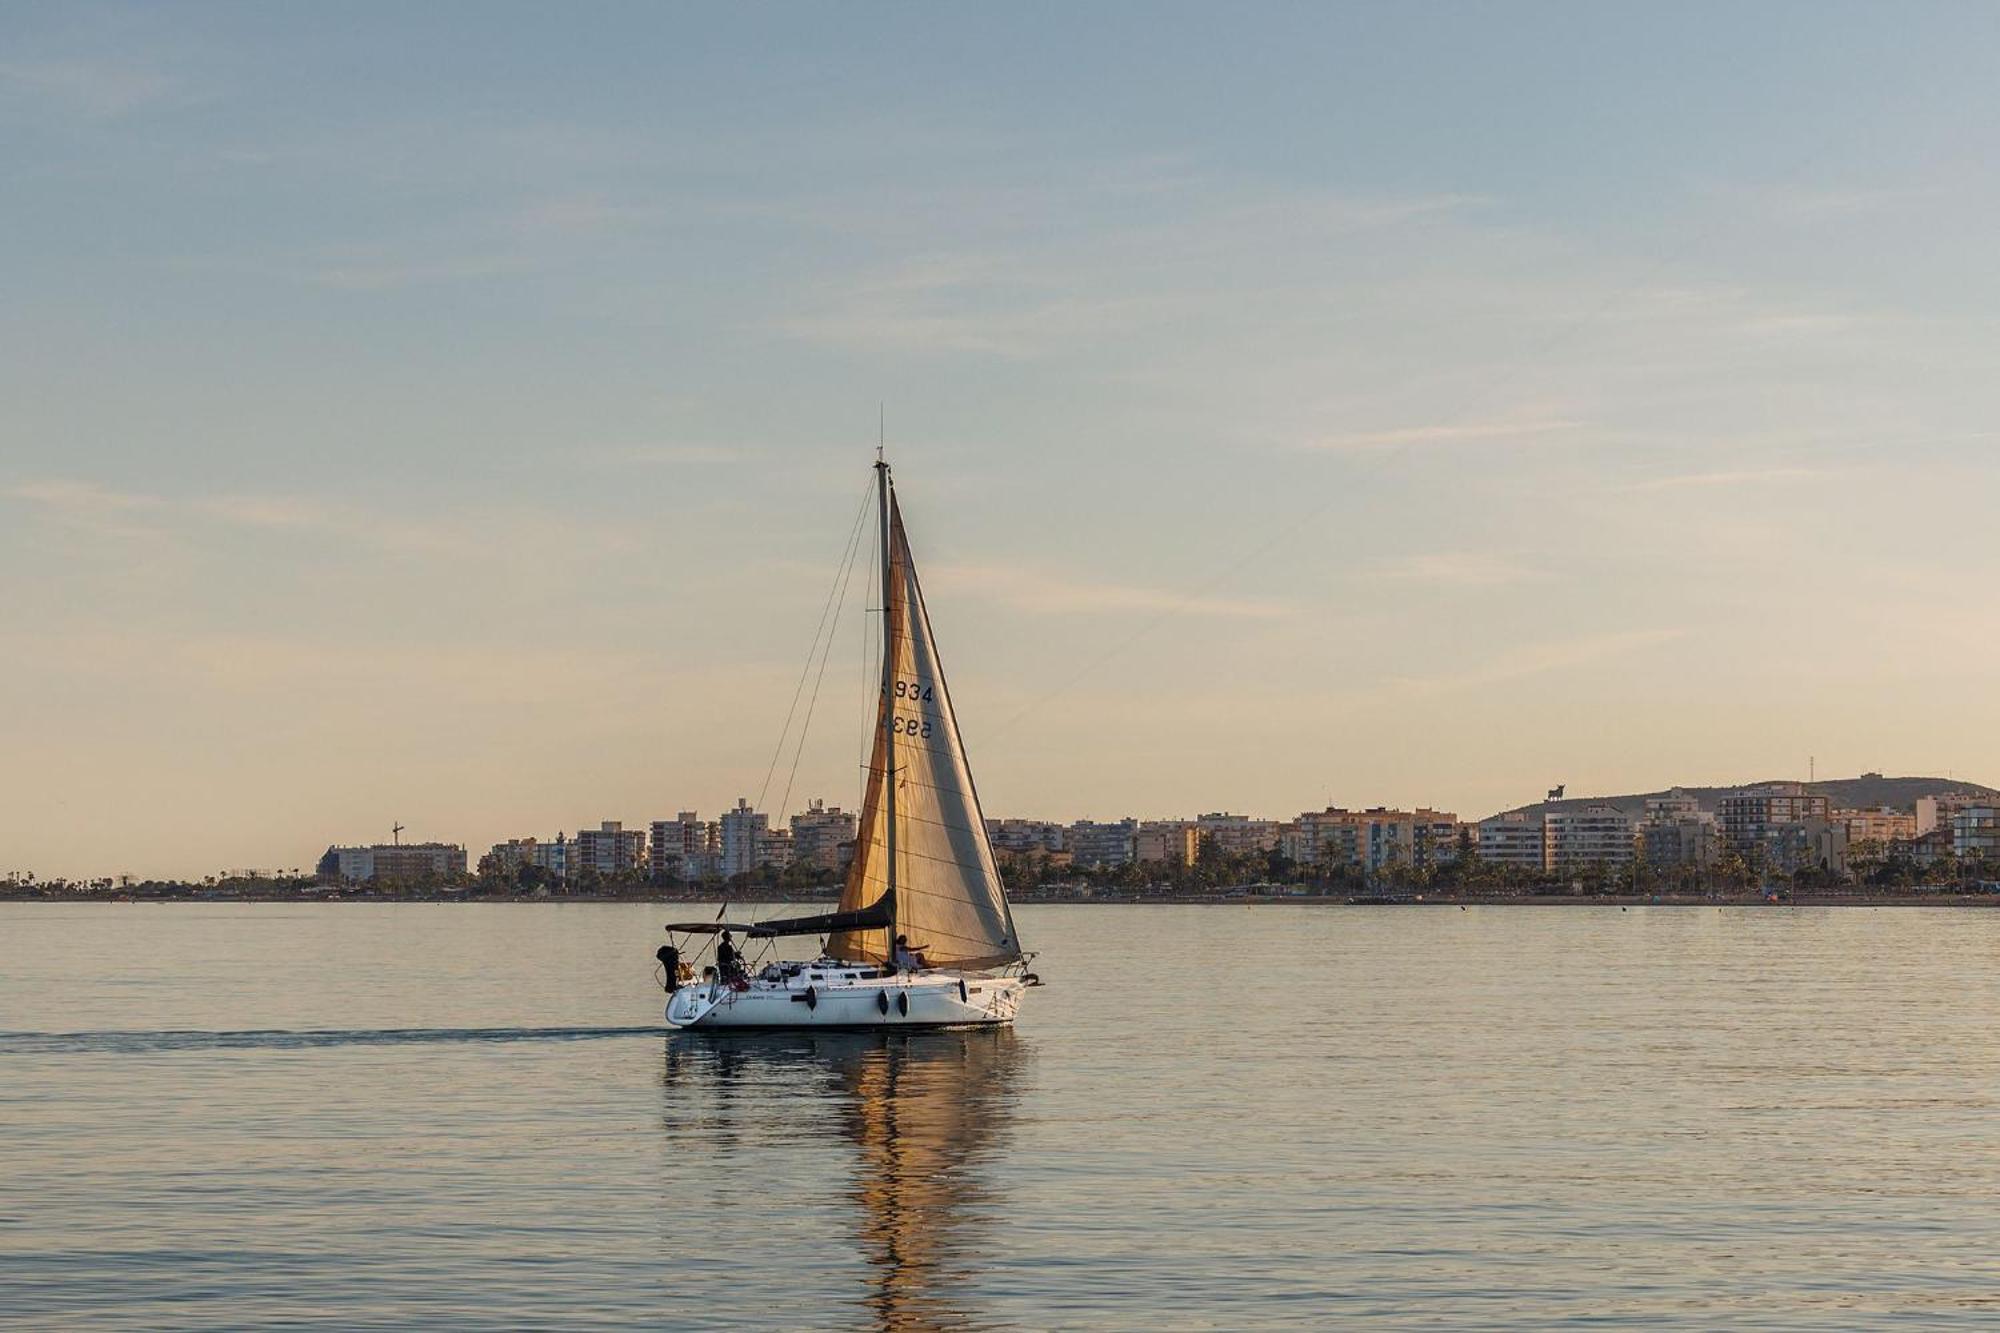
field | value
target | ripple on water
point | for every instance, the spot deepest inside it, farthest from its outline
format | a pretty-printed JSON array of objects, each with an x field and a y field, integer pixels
[{"x": 467, "y": 1116}]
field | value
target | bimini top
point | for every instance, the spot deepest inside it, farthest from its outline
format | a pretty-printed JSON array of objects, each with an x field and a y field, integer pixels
[{"x": 876, "y": 916}]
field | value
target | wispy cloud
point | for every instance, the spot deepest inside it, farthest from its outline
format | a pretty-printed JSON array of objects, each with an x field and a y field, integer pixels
[
  {"x": 1053, "y": 594},
  {"x": 669, "y": 455},
  {"x": 98, "y": 90},
  {"x": 583, "y": 215},
  {"x": 1038, "y": 281},
  {"x": 142, "y": 517},
  {"x": 85, "y": 497},
  {"x": 964, "y": 304},
  {"x": 1798, "y": 203},
  {"x": 1455, "y": 569},
  {"x": 1540, "y": 659},
  {"x": 1735, "y": 477},
  {"x": 1485, "y": 432},
  {"x": 93, "y": 508}
]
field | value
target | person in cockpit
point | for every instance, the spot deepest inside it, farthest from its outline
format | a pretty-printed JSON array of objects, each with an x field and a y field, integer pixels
[{"x": 906, "y": 957}]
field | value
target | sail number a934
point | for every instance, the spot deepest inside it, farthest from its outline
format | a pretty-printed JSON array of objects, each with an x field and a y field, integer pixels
[{"x": 910, "y": 689}]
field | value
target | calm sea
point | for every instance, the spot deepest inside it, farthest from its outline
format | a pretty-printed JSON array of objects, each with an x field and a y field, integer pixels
[{"x": 1211, "y": 1117}]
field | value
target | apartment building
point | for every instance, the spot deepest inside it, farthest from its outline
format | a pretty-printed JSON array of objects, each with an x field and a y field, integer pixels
[
  {"x": 1884, "y": 824},
  {"x": 1515, "y": 838},
  {"x": 608, "y": 849},
  {"x": 823, "y": 837},
  {"x": 1239, "y": 835},
  {"x": 1748, "y": 815},
  {"x": 1094, "y": 844},
  {"x": 1174, "y": 842},
  {"x": 389, "y": 863},
  {"x": 1975, "y": 831},
  {"x": 685, "y": 846},
  {"x": 1596, "y": 834},
  {"x": 743, "y": 834}
]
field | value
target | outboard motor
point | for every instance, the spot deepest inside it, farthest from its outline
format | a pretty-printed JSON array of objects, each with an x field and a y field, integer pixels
[{"x": 670, "y": 959}]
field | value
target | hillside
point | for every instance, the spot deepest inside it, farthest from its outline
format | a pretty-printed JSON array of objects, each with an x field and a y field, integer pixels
[{"x": 1865, "y": 792}]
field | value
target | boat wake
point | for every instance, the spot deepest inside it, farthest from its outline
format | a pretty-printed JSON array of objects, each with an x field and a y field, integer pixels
[{"x": 136, "y": 1043}]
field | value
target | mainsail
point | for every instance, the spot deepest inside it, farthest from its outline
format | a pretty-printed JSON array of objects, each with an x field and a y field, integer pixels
[{"x": 921, "y": 847}]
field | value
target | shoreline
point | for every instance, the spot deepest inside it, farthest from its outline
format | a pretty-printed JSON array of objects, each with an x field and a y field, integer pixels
[{"x": 1948, "y": 899}]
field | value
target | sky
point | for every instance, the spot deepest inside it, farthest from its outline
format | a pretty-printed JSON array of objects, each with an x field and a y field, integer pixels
[{"x": 454, "y": 415}]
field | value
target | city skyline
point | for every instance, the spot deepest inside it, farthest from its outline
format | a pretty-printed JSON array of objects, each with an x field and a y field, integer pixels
[
  {"x": 440, "y": 421},
  {"x": 1870, "y": 808}
]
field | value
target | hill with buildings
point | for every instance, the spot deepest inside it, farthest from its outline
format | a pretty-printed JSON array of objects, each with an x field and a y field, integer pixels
[{"x": 1868, "y": 792}]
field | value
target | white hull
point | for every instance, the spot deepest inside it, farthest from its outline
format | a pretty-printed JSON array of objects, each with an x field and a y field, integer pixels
[{"x": 837, "y": 997}]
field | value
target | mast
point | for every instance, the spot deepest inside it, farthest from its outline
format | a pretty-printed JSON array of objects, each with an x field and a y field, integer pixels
[{"x": 888, "y": 706}]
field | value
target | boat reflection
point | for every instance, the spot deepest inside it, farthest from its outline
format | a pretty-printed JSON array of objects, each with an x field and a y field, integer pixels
[{"x": 922, "y": 1111}]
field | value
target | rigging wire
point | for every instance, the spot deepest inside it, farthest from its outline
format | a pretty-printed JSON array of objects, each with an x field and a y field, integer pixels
[
  {"x": 839, "y": 573},
  {"x": 839, "y": 582},
  {"x": 826, "y": 654}
]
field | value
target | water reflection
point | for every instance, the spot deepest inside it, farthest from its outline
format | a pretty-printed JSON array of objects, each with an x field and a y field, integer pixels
[{"x": 920, "y": 1113}]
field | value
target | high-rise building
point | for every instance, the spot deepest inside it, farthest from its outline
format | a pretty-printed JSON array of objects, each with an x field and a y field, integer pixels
[
  {"x": 1686, "y": 840},
  {"x": 823, "y": 837},
  {"x": 1597, "y": 834},
  {"x": 1975, "y": 831},
  {"x": 1514, "y": 838},
  {"x": 1173, "y": 842},
  {"x": 1806, "y": 844},
  {"x": 684, "y": 847},
  {"x": 1748, "y": 815},
  {"x": 743, "y": 834},
  {"x": 554, "y": 857},
  {"x": 608, "y": 849},
  {"x": 1935, "y": 812},
  {"x": 1094, "y": 844},
  {"x": 1677, "y": 832},
  {"x": 1239, "y": 835},
  {"x": 774, "y": 848},
  {"x": 508, "y": 856},
  {"x": 1434, "y": 836},
  {"x": 1326, "y": 838},
  {"x": 1024, "y": 837}
]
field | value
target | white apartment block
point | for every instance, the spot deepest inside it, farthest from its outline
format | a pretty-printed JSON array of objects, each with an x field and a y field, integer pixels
[
  {"x": 685, "y": 845},
  {"x": 823, "y": 837},
  {"x": 1514, "y": 839},
  {"x": 1239, "y": 835},
  {"x": 1025, "y": 837},
  {"x": 1588, "y": 835},
  {"x": 744, "y": 833},
  {"x": 608, "y": 849},
  {"x": 1094, "y": 844}
]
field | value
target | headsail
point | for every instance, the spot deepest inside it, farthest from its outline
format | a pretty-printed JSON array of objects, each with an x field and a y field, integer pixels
[{"x": 920, "y": 808}]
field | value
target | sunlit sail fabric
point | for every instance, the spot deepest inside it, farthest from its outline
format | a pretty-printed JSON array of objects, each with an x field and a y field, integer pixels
[{"x": 947, "y": 893}]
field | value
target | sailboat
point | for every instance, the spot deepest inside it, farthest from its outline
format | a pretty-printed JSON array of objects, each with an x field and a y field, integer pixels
[{"x": 922, "y": 935}]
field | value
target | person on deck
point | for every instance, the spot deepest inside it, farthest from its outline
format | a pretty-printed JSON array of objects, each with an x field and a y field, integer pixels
[
  {"x": 906, "y": 958},
  {"x": 727, "y": 960}
]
